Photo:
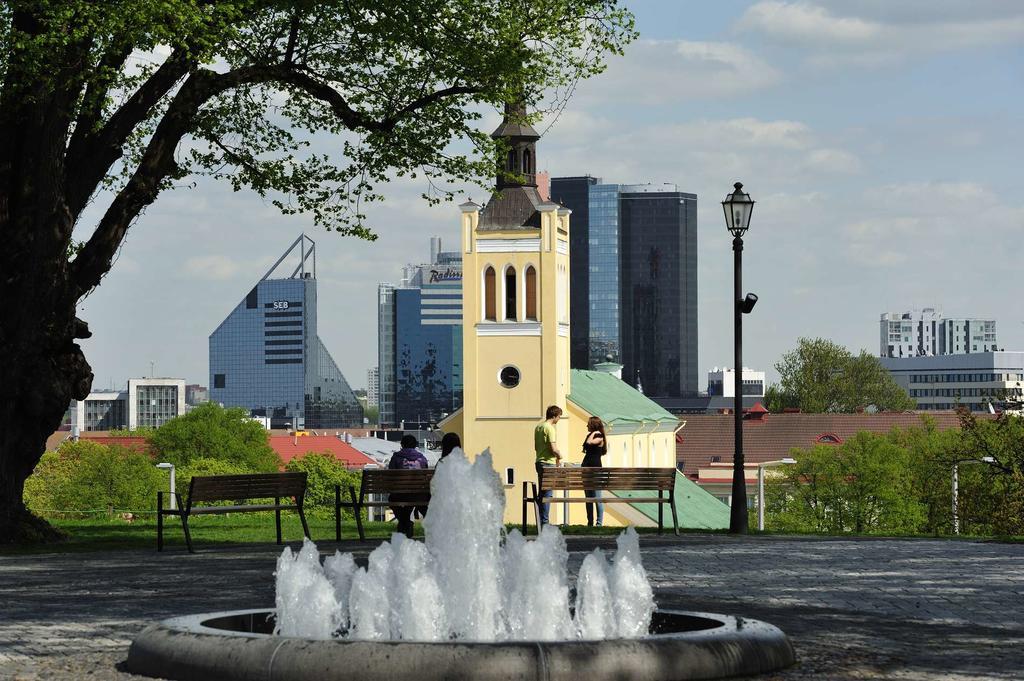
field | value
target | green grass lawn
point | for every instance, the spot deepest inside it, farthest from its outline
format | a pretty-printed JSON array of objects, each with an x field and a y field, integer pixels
[
  {"x": 102, "y": 534},
  {"x": 258, "y": 528}
]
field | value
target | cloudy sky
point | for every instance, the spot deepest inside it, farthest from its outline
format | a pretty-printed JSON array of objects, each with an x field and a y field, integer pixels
[{"x": 882, "y": 141}]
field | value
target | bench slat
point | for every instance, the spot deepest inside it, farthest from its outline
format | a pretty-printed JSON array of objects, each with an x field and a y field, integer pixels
[
  {"x": 608, "y": 478},
  {"x": 249, "y": 486},
  {"x": 384, "y": 481},
  {"x": 245, "y": 507}
]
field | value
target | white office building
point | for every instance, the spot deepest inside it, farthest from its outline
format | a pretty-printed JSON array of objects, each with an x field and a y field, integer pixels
[
  {"x": 926, "y": 333},
  {"x": 372, "y": 386},
  {"x": 972, "y": 380},
  {"x": 145, "y": 403},
  {"x": 722, "y": 382}
]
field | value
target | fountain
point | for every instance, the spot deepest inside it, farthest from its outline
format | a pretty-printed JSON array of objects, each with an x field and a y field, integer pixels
[{"x": 469, "y": 602}]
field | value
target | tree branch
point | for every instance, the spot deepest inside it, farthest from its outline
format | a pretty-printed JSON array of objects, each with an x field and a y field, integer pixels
[
  {"x": 157, "y": 162},
  {"x": 91, "y": 156}
]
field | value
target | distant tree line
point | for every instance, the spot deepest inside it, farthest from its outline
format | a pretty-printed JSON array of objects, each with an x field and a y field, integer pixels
[
  {"x": 87, "y": 478},
  {"x": 820, "y": 376},
  {"x": 901, "y": 482}
]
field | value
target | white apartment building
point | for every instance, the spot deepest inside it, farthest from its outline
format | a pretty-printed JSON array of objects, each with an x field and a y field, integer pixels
[
  {"x": 926, "y": 333},
  {"x": 145, "y": 403},
  {"x": 372, "y": 386},
  {"x": 722, "y": 382},
  {"x": 972, "y": 380}
]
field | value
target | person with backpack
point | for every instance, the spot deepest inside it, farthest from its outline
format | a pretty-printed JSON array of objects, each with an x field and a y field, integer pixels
[{"x": 408, "y": 458}]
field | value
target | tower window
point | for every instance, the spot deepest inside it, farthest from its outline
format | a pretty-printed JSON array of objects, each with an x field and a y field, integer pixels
[
  {"x": 490, "y": 306},
  {"x": 511, "y": 166},
  {"x": 510, "y": 294},
  {"x": 527, "y": 162},
  {"x": 509, "y": 376},
  {"x": 531, "y": 293}
]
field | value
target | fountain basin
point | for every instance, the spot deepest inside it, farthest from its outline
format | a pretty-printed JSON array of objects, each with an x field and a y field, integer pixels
[{"x": 239, "y": 645}]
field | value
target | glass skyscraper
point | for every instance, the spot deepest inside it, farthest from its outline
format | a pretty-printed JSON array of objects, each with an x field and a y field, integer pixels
[
  {"x": 633, "y": 261},
  {"x": 659, "y": 290},
  {"x": 266, "y": 355},
  {"x": 420, "y": 342}
]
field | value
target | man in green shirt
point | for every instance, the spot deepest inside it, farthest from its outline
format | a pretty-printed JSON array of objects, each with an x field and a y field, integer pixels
[{"x": 545, "y": 446}]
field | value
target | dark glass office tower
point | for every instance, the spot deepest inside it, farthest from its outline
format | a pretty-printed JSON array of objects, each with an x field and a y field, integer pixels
[
  {"x": 574, "y": 194},
  {"x": 266, "y": 355},
  {"x": 658, "y": 284},
  {"x": 633, "y": 263}
]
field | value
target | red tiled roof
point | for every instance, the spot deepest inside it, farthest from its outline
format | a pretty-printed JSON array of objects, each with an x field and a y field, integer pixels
[
  {"x": 707, "y": 436},
  {"x": 288, "y": 447},
  {"x": 135, "y": 442}
]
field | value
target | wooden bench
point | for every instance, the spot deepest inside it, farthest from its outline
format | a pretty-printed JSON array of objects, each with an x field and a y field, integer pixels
[
  {"x": 236, "y": 488},
  {"x": 571, "y": 479},
  {"x": 382, "y": 482}
]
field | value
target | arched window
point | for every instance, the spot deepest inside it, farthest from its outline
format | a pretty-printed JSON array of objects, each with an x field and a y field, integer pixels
[
  {"x": 510, "y": 293},
  {"x": 490, "y": 308},
  {"x": 527, "y": 162},
  {"x": 511, "y": 167},
  {"x": 531, "y": 293}
]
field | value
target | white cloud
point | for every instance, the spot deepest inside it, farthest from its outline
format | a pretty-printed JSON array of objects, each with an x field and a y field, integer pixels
[
  {"x": 211, "y": 267},
  {"x": 661, "y": 71},
  {"x": 832, "y": 161},
  {"x": 807, "y": 23},
  {"x": 870, "y": 34}
]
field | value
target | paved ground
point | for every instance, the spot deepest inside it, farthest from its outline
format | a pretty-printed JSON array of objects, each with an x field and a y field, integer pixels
[{"x": 855, "y": 609}]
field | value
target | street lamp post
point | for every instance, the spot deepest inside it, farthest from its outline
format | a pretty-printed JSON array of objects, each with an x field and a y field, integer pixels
[
  {"x": 738, "y": 207},
  {"x": 760, "y": 487},
  {"x": 956, "y": 488},
  {"x": 171, "y": 499}
]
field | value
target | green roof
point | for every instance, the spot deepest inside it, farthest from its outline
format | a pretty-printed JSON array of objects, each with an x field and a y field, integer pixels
[
  {"x": 613, "y": 400},
  {"x": 696, "y": 508}
]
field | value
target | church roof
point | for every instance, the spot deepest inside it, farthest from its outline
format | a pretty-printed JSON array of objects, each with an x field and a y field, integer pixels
[
  {"x": 613, "y": 400},
  {"x": 514, "y": 208}
]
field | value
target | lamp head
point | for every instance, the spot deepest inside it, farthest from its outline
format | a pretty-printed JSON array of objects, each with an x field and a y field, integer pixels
[
  {"x": 738, "y": 207},
  {"x": 165, "y": 465},
  {"x": 748, "y": 303}
]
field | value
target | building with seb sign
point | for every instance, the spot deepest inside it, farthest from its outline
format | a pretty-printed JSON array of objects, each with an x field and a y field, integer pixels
[{"x": 267, "y": 357}]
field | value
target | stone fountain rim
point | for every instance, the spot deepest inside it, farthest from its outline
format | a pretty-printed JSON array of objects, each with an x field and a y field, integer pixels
[
  {"x": 183, "y": 648},
  {"x": 194, "y": 624}
]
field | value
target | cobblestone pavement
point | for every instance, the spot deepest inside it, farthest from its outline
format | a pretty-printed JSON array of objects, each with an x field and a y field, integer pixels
[{"x": 854, "y": 609}]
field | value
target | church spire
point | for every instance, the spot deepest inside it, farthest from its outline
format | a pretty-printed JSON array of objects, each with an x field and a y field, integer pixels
[{"x": 521, "y": 157}]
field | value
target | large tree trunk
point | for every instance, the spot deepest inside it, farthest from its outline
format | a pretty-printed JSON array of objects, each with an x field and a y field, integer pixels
[{"x": 43, "y": 369}]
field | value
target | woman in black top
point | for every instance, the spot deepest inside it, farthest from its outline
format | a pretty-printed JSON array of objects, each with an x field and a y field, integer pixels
[{"x": 594, "y": 447}]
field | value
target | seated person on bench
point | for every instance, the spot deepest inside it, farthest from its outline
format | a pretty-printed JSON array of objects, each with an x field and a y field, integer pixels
[{"x": 408, "y": 457}]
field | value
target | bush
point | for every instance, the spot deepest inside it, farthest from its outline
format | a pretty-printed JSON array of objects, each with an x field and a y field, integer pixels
[
  {"x": 864, "y": 485},
  {"x": 210, "y": 431},
  {"x": 206, "y": 466},
  {"x": 323, "y": 472},
  {"x": 87, "y": 476}
]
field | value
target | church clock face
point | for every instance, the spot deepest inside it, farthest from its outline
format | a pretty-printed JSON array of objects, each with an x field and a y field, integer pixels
[{"x": 509, "y": 376}]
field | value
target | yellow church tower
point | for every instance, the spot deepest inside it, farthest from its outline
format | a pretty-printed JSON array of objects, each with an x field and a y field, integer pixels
[{"x": 515, "y": 315}]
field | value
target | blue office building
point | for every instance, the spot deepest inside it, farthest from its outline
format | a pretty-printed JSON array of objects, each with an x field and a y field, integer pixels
[
  {"x": 420, "y": 342},
  {"x": 266, "y": 355}
]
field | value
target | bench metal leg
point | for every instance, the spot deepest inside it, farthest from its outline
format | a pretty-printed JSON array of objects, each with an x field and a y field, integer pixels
[
  {"x": 305, "y": 527},
  {"x": 661, "y": 511},
  {"x": 675, "y": 519},
  {"x": 159, "y": 521},
  {"x": 188, "y": 536},
  {"x": 277, "y": 517},
  {"x": 358, "y": 511},
  {"x": 525, "y": 501},
  {"x": 337, "y": 513}
]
